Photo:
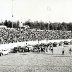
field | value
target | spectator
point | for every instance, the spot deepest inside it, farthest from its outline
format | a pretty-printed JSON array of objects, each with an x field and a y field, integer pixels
[
  {"x": 63, "y": 51},
  {"x": 70, "y": 51}
]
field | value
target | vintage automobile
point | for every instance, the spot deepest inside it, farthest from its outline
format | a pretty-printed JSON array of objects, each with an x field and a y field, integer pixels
[
  {"x": 36, "y": 48},
  {"x": 14, "y": 50},
  {"x": 20, "y": 49},
  {"x": 4, "y": 52},
  {"x": 26, "y": 49}
]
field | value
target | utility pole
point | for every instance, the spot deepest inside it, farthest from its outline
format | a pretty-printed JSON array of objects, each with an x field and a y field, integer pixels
[
  {"x": 12, "y": 13},
  {"x": 48, "y": 24}
]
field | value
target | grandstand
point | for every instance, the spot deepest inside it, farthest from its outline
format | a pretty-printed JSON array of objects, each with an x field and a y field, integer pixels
[{"x": 8, "y": 35}]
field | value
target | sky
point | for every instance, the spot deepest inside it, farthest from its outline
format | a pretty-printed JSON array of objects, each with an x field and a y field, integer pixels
[{"x": 36, "y": 10}]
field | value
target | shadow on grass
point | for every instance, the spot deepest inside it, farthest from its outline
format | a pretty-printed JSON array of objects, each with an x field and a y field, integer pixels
[
  {"x": 59, "y": 55},
  {"x": 23, "y": 54},
  {"x": 62, "y": 55}
]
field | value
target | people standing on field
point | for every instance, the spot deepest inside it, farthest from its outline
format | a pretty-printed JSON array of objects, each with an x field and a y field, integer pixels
[
  {"x": 52, "y": 49},
  {"x": 70, "y": 51},
  {"x": 63, "y": 51}
]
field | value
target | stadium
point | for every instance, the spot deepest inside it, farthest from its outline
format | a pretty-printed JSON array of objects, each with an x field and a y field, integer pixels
[
  {"x": 21, "y": 44},
  {"x": 35, "y": 36}
]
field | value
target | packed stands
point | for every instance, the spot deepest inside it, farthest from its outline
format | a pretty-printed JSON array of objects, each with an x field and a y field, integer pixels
[{"x": 9, "y": 35}]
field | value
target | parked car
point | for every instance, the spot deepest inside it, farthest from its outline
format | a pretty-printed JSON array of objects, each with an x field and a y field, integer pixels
[
  {"x": 26, "y": 49},
  {"x": 66, "y": 43},
  {"x": 55, "y": 44},
  {"x": 14, "y": 50},
  {"x": 5, "y": 52},
  {"x": 20, "y": 49}
]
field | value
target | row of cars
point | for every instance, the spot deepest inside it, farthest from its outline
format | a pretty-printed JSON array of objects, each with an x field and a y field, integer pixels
[
  {"x": 35, "y": 48},
  {"x": 15, "y": 50}
]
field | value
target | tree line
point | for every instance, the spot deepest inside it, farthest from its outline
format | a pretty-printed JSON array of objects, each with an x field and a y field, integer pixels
[
  {"x": 11, "y": 24},
  {"x": 49, "y": 26},
  {"x": 40, "y": 25}
]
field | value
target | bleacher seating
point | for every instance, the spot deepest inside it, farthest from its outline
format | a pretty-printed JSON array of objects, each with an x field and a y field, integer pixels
[{"x": 20, "y": 35}]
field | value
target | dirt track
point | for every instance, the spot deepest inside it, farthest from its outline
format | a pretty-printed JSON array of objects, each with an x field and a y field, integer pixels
[{"x": 35, "y": 62}]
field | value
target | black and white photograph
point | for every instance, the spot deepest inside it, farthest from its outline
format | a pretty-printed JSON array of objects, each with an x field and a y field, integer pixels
[{"x": 35, "y": 35}]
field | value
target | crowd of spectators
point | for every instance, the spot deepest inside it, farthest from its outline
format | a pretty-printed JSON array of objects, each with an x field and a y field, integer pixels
[{"x": 10, "y": 35}]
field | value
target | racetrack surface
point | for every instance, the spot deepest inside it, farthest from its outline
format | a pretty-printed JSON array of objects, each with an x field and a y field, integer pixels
[
  {"x": 35, "y": 62},
  {"x": 12, "y": 45}
]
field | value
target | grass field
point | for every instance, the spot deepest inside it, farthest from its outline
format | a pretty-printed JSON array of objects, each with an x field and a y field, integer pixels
[
  {"x": 35, "y": 62},
  {"x": 38, "y": 62}
]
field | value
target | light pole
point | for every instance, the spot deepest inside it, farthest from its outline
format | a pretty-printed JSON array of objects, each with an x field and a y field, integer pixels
[
  {"x": 12, "y": 13},
  {"x": 48, "y": 30}
]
